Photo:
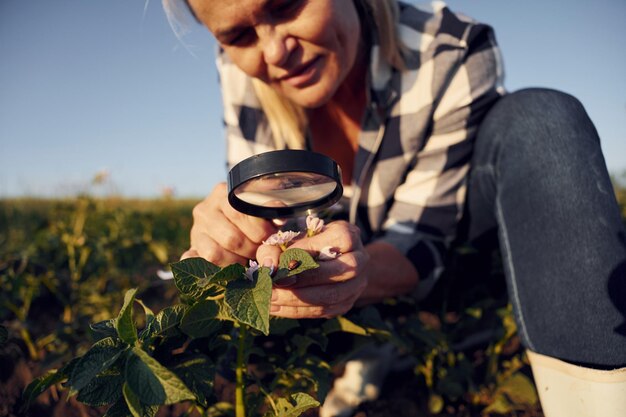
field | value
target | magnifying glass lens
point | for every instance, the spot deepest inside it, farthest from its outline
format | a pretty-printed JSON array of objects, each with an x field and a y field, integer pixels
[
  {"x": 285, "y": 189},
  {"x": 284, "y": 183}
]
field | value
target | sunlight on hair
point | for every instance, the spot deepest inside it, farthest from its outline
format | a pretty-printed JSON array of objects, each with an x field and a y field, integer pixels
[{"x": 178, "y": 17}]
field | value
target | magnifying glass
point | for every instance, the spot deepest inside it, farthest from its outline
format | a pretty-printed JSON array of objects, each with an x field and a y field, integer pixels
[{"x": 285, "y": 183}]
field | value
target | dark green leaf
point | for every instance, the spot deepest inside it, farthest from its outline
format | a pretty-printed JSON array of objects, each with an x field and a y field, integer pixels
[
  {"x": 198, "y": 374},
  {"x": 152, "y": 382},
  {"x": 302, "y": 342},
  {"x": 97, "y": 359},
  {"x": 200, "y": 319},
  {"x": 249, "y": 301},
  {"x": 102, "y": 390},
  {"x": 279, "y": 326},
  {"x": 227, "y": 274},
  {"x": 342, "y": 324},
  {"x": 303, "y": 259},
  {"x": 118, "y": 409},
  {"x": 322, "y": 376},
  {"x": 150, "y": 321},
  {"x": 105, "y": 328},
  {"x": 192, "y": 276},
  {"x": 135, "y": 406},
  {"x": 124, "y": 324},
  {"x": 39, "y": 385},
  {"x": 169, "y": 318}
]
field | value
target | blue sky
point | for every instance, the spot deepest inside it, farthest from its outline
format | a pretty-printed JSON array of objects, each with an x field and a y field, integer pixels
[{"x": 89, "y": 86}]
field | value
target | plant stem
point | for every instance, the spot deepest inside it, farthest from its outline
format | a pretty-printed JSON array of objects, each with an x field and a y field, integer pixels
[
  {"x": 32, "y": 350},
  {"x": 217, "y": 297},
  {"x": 240, "y": 406}
]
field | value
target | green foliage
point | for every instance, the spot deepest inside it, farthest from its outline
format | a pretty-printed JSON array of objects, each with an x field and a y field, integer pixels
[
  {"x": 65, "y": 269},
  {"x": 249, "y": 300},
  {"x": 122, "y": 369}
]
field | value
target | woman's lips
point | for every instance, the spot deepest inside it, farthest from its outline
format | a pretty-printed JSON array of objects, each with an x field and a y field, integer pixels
[{"x": 303, "y": 74}]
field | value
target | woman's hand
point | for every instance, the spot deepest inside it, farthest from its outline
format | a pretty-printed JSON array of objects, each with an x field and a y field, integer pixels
[
  {"x": 327, "y": 291},
  {"x": 221, "y": 234}
]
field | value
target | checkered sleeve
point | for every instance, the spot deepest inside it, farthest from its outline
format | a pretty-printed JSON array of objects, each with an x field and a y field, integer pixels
[{"x": 426, "y": 207}]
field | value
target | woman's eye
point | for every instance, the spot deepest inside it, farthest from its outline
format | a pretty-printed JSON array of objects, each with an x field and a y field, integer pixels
[
  {"x": 243, "y": 38},
  {"x": 286, "y": 8}
]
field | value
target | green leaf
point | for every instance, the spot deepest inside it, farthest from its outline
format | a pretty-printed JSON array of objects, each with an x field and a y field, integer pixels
[
  {"x": 105, "y": 328},
  {"x": 227, "y": 274},
  {"x": 169, "y": 318},
  {"x": 200, "y": 319},
  {"x": 249, "y": 301},
  {"x": 152, "y": 382},
  {"x": 39, "y": 385},
  {"x": 299, "y": 403},
  {"x": 342, "y": 324},
  {"x": 136, "y": 408},
  {"x": 118, "y": 409},
  {"x": 191, "y": 276},
  {"x": 499, "y": 405},
  {"x": 4, "y": 335},
  {"x": 303, "y": 259},
  {"x": 279, "y": 326},
  {"x": 520, "y": 389},
  {"x": 102, "y": 390},
  {"x": 124, "y": 324},
  {"x": 302, "y": 342},
  {"x": 198, "y": 374},
  {"x": 97, "y": 359},
  {"x": 149, "y": 330}
]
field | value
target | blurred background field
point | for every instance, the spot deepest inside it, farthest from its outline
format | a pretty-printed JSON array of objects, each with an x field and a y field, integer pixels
[{"x": 65, "y": 263}]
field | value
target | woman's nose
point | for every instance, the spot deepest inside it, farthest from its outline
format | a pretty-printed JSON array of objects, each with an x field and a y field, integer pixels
[{"x": 277, "y": 47}]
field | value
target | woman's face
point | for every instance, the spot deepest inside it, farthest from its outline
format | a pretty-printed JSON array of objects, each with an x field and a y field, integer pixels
[{"x": 304, "y": 49}]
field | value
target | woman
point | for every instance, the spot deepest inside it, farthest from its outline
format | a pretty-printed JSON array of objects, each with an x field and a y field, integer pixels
[{"x": 396, "y": 95}]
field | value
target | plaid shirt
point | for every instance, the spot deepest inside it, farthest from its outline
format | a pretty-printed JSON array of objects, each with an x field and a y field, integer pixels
[{"x": 416, "y": 137}]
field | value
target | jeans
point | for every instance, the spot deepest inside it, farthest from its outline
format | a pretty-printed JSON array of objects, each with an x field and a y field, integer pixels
[{"x": 539, "y": 179}]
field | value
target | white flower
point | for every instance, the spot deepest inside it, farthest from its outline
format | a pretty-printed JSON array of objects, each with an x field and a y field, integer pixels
[
  {"x": 314, "y": 225},
  {"x": 281, "y": 238},
  {"x": 165, "y": 275},
  {"x": 327, "y": 254},
  {"x": 249, "y": 274}
]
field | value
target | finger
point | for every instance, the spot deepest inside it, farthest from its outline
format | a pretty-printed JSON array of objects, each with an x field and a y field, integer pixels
[
  {"x": 268, "y": 255},
  {"x": 301, "y": 303},
  {"x": 321, "y": 295},
  {"x": 227, "y": 235},
  {"x": 313, "y": 312},
  {"x": 255, "y": 228},
  {"x": 340, "y": 235},
  {"x": 207, "y": 248},
  {"x": 344, "y": 268},
  {"x": 190, "y": 253}
]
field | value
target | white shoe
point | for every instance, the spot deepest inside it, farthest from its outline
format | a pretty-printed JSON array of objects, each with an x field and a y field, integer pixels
[{"x": 568, "y": 390}]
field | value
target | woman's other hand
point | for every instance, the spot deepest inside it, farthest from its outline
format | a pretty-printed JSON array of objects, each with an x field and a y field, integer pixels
[
  {"x": 221, "y": 234},
  {"x": 327, "y": 291}
]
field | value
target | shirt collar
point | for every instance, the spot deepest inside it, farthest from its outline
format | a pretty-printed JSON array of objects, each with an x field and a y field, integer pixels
[{"x": 383, "y": 89}]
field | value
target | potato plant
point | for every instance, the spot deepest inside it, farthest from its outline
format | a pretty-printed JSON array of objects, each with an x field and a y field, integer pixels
[
  {"x": 179, "y": 353},
  {"x": 210, "y": 344}
]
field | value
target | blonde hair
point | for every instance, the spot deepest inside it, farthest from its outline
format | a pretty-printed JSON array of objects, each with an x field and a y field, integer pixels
[{"x": 288, "y": 121}]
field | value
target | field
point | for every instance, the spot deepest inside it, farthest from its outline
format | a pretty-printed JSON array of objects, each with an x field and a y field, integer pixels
[{"x": 66, "y": 264}]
